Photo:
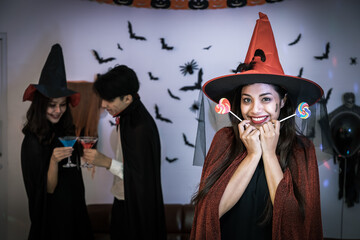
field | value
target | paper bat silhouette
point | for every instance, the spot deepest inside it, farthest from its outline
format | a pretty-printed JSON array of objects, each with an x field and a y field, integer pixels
[
  {"x": 119, "y": 47},
  {"x": 187, "y": 142},
  {"x": 326, "y": 54},
  {"x": 133, "y": 35},
  {"x": 194, "y": 107},
  {"x": 172, "y": 95},
  {"x": 207, "y": 48},
  {"x": 170, "y": 160},
  {"x": 152, "y": 77},
  {"x": 328, "y": 95},
  {"x": 197, "y": 85},
  {"x": 159, "y": 116},
  {"x": 353, "y": 61},
  {"x": 164, "y": 45},
  {"x": 296, "y": 40},
  {"x": 100, "y": 59},
  {"x": 112, "y": 123},
  {"x": 300, "y": 72}
]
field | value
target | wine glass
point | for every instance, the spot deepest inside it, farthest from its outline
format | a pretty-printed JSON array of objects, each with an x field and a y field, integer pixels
[
  {"x": 68, "y": 141},
  {"x": 87, "y": 143}
]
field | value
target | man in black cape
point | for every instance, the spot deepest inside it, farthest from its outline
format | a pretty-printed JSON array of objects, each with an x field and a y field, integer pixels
[{"x": 138, "y": 208}]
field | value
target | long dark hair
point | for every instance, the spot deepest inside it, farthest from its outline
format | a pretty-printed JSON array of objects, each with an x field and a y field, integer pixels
[
  {"x": 288, "y": 140},
  {"x": 38, "y": 124}
]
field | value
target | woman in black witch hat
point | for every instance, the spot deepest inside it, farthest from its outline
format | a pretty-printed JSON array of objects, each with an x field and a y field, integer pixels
[
  {"x": 260, "y": 179},
  {"x": 56, "y": 194}
]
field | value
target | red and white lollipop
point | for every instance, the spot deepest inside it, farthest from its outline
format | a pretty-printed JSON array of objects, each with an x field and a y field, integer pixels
[{"x": 224, "y": 107}]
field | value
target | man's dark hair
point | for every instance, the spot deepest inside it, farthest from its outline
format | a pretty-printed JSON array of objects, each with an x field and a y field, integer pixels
[{"x": 119, "y": 81}]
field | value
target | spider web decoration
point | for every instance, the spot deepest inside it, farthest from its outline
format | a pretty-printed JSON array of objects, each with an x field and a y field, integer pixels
[{"x": 189, "y": 67}]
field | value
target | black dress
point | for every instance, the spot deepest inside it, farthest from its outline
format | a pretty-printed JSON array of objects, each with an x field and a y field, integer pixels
[
  {"x": 242, "y": 221},
  {"x": 63, "y": 214}
]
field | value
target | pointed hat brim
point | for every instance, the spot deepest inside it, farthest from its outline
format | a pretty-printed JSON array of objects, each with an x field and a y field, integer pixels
[{"x": 51, "y": 92}]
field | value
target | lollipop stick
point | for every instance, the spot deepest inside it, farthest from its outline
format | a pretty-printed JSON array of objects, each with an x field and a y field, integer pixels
[
  {"x": 235, "y": 115},
  {"x": 287, "y": 117}
]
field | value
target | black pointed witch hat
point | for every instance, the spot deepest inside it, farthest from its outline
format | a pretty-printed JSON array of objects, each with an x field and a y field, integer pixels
[{"x": 52, "y": 83}]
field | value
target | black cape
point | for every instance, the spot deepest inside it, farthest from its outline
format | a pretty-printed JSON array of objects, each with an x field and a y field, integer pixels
[
  {"x": 63, "y": 214},
  {"x": 144, "y": 206}
]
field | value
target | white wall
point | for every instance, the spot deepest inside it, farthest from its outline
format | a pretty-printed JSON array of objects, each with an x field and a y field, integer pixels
[{"x": 79, "y": 26}]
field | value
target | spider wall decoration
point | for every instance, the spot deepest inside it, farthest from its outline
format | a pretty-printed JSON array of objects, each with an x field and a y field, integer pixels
[{"x": 189, "y": 67}]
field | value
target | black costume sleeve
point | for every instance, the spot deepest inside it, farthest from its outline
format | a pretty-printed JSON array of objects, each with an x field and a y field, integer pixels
[{"x": 34, "y": 170}]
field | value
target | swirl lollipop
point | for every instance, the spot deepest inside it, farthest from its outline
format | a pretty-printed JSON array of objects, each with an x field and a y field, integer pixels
[
  {"x": 302, "y": 111},
  {"x": 224, "y": 107}
]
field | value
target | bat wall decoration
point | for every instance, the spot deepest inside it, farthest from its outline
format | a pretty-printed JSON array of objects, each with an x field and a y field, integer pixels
[
  {"x": 325, "y": 54},
  {"x": 194, "y": 107},
  {"x": 296, "y": 40},
  {"x": 328, "y": 94},
  {"x": 301, "y": 72},
  {"x": 133, "y": 35},
  {"x": 353, "y": 61},
  {"x": 187, "y": 143},
  {"x": 172, "y": 95},
  {"x": 159, "y": 116},
  {"x": 197, "y": 85},
  {"x": 164, "y": 45},
  {"x": 152, "y": 77},
  {"x": 170, "y": 160},
  {"x": 100, "y": 59}
]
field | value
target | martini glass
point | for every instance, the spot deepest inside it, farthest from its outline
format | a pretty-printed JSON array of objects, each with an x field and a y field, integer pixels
[
  {"x": 68, "y": 141},
  {"x": 87, "y": 143}
]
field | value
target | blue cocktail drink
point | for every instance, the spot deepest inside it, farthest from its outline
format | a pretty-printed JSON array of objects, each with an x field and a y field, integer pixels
[{"x": 68, "y": 141}]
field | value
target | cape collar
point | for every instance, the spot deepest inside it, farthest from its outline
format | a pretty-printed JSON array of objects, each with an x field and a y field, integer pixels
[{"x": 129, "y": 109}]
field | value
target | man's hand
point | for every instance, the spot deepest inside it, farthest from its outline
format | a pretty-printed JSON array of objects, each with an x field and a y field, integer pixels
[{"x": 92, "y": 156}]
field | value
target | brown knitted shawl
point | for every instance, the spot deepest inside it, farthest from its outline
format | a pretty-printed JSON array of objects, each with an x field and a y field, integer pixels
[{"x": 287, "y": 222}]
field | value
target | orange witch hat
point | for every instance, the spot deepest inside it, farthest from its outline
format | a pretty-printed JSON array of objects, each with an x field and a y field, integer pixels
[{"x": 262, "y": 55}]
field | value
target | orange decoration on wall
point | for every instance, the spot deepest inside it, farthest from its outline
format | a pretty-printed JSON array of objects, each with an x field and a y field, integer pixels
[
  {"x": 217, "y": 4},
  {"x": 179, "y": 4},
  {"x": 255, "y": 2},
  {"x": 141, "y": 3},
  {"x": 187, "y": 4}
]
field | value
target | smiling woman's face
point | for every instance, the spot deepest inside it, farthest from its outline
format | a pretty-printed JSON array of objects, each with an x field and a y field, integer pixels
[
  {"x": 55, "y": 109},
  {"x": 260, "y": 103}
]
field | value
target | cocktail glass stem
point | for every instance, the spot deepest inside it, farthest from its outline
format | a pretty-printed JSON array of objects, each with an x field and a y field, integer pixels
[{"x": 68, "y": 141}]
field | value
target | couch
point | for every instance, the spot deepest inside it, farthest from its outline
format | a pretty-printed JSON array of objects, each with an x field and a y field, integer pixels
[{"x": 178, "y": 217}]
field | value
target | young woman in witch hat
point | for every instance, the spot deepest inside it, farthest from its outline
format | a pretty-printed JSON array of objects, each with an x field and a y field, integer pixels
[
  {"x": 56, "y": 194},
  {"x": 260, "y": 178}
]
